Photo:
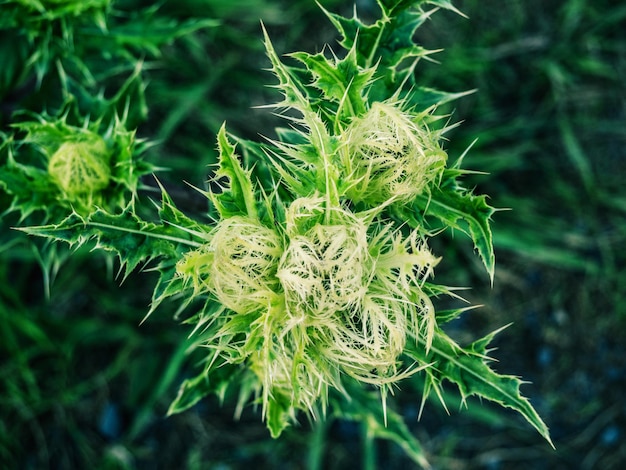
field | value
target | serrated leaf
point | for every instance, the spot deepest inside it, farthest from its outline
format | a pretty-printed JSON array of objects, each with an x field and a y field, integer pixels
[
  {"x": 134, "y": 240},
  {"x": 460, "y": 210},
  {"x": 171, "y": 215},
  {"x": 388, "y": 44},
  {"x": 446, "y": 5},
  {"x": 30, "y": 188},
  {"x": 298, "y": 179},
  {"x": 193, "y": 390},
  {"x": 389, "y": 41},
  {"x": 168, "y": 285},
  {"x": 237, "y": 196},
  {"x": 341, "y": 81},
  {"x": 468, "y": 370},
  {"x": 389, "y": 7},
  {"x": 278, "y": 415},
  {"x": 424, "y": 98},
  {"x": 294, "y": 94}
]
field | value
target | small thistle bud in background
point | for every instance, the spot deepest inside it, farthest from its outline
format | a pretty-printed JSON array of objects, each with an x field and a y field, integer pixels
[{"x": 81, "y": 167}]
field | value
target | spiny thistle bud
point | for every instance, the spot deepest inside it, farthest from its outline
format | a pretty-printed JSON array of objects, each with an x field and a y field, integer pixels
[
  {"x": 352, "y": 293},
  {"x": 402, "y": 265},
  {"x": 390, "y": 154},
  {"x": 238, "y": 265},
  {"x": 366, "y": 343},
  {"x": 326, "y": 268},
  {"x": 288, "y": 370},
  {"x": 81, "y": 167}
]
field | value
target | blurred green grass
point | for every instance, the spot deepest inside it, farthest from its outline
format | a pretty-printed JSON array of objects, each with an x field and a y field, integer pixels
[{"x": 84, "y": 385}]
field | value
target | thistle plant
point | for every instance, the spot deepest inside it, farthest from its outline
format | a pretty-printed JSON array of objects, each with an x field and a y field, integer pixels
[
  {"x": 311, "y": 288},
  {"x": 56, "y": 164}
]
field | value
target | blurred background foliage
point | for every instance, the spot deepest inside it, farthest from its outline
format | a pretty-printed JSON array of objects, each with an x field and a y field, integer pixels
[{"x": 85, "y": 384}]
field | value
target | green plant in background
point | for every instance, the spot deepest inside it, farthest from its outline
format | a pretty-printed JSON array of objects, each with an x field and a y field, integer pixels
[
  {"x": 311, "y": 287},
  {"x": 72, "y": 89},
  {"x": 54, "y": 166},
  {"x": 48, "y": 44}
]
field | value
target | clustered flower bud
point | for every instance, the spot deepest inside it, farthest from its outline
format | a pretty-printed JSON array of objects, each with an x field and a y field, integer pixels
[
  {"x": 238, "y": 265},
  {"x": 390, "y": 154},
  {"x": 332, "y": 294},
  {"x": 326, "y": 268}
]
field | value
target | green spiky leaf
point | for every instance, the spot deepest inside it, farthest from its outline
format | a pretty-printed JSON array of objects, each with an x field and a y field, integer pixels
[
  {"x": 392, "y": 7},
  {"x": 460, "y": 210},
  {"x": 294, "y": 93},
  {"x": 237, "y": 196},
  {"x": 467, "y": 368},
  {"x": 195, "y": 389},
  {"x": 279, "y": 415},
  {"x": 30, "y": 188},
  {"x": 388, "y": 45},
  {"x": 388, "y": 41},
  {"x": 135, "y": 241},
  {"x": 342, "y": 82}
]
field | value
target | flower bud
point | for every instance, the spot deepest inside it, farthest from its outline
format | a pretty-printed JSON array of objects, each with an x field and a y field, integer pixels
[
  {"x": 238, "y": 265},
  {"x": 388, "y": 155},
  {"x": 326, "y": 268},
  {"x": 81, "y": 167}
]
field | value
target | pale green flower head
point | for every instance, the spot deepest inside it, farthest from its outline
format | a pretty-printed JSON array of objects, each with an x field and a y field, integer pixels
[
  {"x": 326, "y": 267},
  {"x": 367, "y": 342},
  {"x": 352, "y": 292},
  {"x": 290, "y": 370},
  {"x": 328, "y": 294},
  {"x": 238, "y": 264},
  {"x": 390, "y": 154},
  {"x": 81, "y": 166}
]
